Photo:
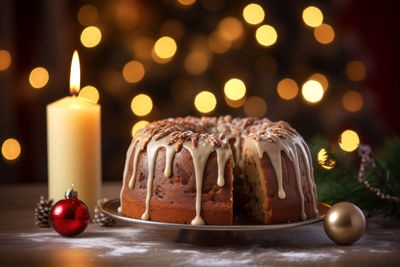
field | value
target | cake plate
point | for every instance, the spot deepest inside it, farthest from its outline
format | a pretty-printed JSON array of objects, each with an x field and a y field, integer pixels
[
  {"x": 211, "y": 235},
  {"x": 240, "y": 224}
]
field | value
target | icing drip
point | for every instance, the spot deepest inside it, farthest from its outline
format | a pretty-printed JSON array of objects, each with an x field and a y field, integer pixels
[
  {"x": 128, "y": 159},
  {"x": 169, "y": 156},
  {"x": 152, "y": 150},
  {"x": 222, "y": 156},
  {"x": 273, "y": 151},
  {"x": 170, "y": 152},
  {"x": 289, "y": 146},
  {"x": 237, "y": 148},
  {"x": 298, "y": 179},
  {"x": 135, "y": 161},
  {"x": 200, "y": 156},
  {"x": 310, "y": 174}
]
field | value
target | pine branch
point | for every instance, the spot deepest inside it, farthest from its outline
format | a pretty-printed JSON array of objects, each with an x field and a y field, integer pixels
[{"x": 341, "y": 182}]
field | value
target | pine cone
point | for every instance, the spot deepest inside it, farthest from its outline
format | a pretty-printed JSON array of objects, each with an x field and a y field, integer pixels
[
  {"x": 101, "y": 218},
  {"x": 42, "y": 212}
]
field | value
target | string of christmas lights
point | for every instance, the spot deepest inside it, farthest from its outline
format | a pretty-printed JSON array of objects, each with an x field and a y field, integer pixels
[{"x": 367, "y": 161}]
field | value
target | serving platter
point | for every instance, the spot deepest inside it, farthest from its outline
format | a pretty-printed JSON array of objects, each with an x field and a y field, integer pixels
[{"x": 111, "y": 208}]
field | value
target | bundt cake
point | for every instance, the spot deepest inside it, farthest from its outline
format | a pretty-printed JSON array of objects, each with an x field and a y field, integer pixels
[{"x": 195, "y": 170}]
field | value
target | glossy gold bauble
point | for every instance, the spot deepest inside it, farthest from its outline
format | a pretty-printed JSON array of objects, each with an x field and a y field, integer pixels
[{"x": 344, "y": 223}]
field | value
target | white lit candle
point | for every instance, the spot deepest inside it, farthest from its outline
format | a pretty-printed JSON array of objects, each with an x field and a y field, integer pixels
[{"x": 73, "y": 144}]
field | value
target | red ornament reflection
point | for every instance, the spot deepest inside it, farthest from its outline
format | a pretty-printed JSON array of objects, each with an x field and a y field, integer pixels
[{"x": 69, "y": 216}]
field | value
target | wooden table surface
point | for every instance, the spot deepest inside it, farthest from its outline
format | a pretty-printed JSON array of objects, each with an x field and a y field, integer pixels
[{"x": 24, "y": 244}]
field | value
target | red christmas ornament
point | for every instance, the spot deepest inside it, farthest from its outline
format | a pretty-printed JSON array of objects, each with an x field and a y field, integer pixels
[{"x": 69, "y": 216}]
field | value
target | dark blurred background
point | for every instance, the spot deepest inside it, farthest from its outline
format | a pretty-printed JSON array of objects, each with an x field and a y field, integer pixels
[{"x": 168, "y": 52}]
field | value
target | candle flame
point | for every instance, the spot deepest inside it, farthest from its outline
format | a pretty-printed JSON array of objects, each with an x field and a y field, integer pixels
[{"x": 75, "y": 77}]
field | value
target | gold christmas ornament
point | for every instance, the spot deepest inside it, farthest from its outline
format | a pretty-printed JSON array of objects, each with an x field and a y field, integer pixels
[{"x": 344, "y": 223}]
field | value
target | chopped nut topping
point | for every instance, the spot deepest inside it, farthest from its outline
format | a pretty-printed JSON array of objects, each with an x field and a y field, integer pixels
[{"x": 194, "y": 129}]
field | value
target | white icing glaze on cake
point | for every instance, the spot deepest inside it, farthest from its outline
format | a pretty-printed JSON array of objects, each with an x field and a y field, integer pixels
[{"x": 261, "y": 135}]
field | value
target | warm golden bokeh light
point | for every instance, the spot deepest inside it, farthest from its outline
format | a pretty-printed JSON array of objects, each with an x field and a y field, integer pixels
[
  {"x": 230, "y": 29},
  {"x": 159, "y": 60},
  {"x": 133, "y": 71},
  {"x": 141, "y": 105},
  {"x": 186, "y": 2},
  {"x": 255, "y": 107},
  {"x": 87, "y": 15},
  {"x": 287, "y": 89},
  {"x": 165, "y": 47},
  {"x": 205, "y": 102},
  {"x": 349, "y": 141},
  {"x": 321, "y": 79},
  {"x": 38, "y": 77},
  {"x": 235, "y": 89},
  {"x": 235, "y": 103},
  {"x": 312, "y": 16},
  {"x": 352, "y": 101},
  {"x": 90, "y": 36},
  {"x": 137, "y": 126},
  {"x": 5, "y": 59},
  {"x": 253, "y": 14},
  {"x": 312, "y": 91},
  {"x": 11, "y": 149},
  {"x": 90, "y": 93},
  {"x": 324, "y": 161},
  {"x": 356, "y": 70},
  {"x": 324, "y": 33},
  {"x": 196, "y": 62},
  {"x": 266, "y": 35},
  {"x": 218, "y": 44}
]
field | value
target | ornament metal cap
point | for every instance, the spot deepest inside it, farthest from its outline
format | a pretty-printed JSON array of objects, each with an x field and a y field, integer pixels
[{"x": 71, "y": 193}]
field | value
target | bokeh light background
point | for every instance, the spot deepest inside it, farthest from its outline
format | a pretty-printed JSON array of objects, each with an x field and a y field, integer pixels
[{"x": 326, "y": 67}]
